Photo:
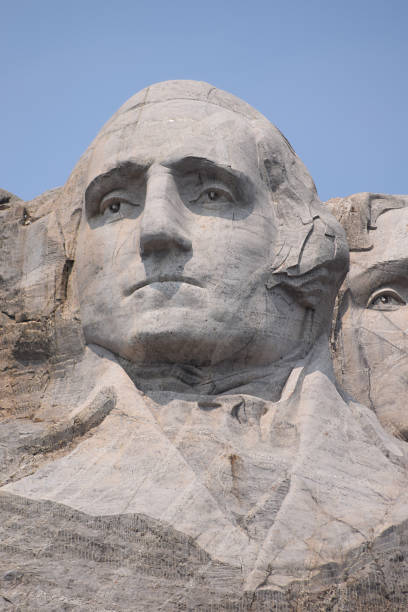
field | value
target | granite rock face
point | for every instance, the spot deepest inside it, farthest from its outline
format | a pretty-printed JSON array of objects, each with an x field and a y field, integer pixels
[
  {"x": 172, "y": 434},
  {"x": 370, "y": 335}
]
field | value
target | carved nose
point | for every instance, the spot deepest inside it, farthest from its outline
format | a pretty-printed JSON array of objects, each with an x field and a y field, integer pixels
[{"x": 164, "y": 223}]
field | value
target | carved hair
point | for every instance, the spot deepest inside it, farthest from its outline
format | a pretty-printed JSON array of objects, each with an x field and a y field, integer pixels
[{"x": 359, "y": 212}]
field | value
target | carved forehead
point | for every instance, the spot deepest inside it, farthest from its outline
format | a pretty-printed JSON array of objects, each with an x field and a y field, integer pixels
[
  {"x": 389, "y": 240},
  {"x": 176, "y": 129},
  {"x": 192, "y": 113},
  {"x": 189, "y": 90}
]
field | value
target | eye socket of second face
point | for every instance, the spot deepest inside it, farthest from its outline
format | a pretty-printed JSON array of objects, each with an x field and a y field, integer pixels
[{"x": 385, "y": 299}]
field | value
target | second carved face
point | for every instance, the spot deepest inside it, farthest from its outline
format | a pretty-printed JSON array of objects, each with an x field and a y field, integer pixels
[{"x": 372, "y": 329}]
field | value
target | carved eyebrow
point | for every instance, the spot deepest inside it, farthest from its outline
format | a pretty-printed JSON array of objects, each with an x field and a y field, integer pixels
[
  {"x": 236, "y": 179},
  {"x": 380, "y": 273},
  {"x": 109, "y": 180}
]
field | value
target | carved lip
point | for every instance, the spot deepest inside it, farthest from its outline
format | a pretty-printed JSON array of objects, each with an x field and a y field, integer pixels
[{"x": 163, "y": 278}]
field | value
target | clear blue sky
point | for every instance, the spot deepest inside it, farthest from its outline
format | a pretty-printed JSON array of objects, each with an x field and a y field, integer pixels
[{"x": 332, "y": 75}]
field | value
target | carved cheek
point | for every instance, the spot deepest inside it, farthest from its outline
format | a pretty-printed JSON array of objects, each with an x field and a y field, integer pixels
[
  {"x": 112, "y": 245},
  {"x": 384, "y": 335}
]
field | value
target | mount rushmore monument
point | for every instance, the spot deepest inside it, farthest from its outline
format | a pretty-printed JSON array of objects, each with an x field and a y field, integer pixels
[{"x": 173, "y": 434}]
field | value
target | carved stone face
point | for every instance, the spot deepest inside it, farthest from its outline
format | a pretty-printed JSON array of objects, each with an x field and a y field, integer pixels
[
  {"x": 176, "y": 244},
  {"x": 373, "y": 342}
]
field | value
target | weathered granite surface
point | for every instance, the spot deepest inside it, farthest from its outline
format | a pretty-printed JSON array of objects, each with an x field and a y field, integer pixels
[
  {"x": 172, "y": 436},
  {"x": 370, "y": 336}
]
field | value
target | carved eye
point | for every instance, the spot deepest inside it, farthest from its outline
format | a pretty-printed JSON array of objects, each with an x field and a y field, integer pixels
[
  {"x": 385, "y": 299},
  {"x": 221, "y": 196},
  {"x": 117, "y": 201},
  {"x": 114, "y": 207},
  {"x": 213, "y": 195}
]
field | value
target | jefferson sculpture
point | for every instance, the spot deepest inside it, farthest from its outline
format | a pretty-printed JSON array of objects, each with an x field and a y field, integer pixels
[
  {"x": 198, "y": 396},
  {"x": 371, "y": 328}
]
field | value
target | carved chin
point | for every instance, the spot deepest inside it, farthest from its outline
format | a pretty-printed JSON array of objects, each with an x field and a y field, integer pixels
[
  {"x": 172, "y": 340},
  {"x": 180, "y": 343}
]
